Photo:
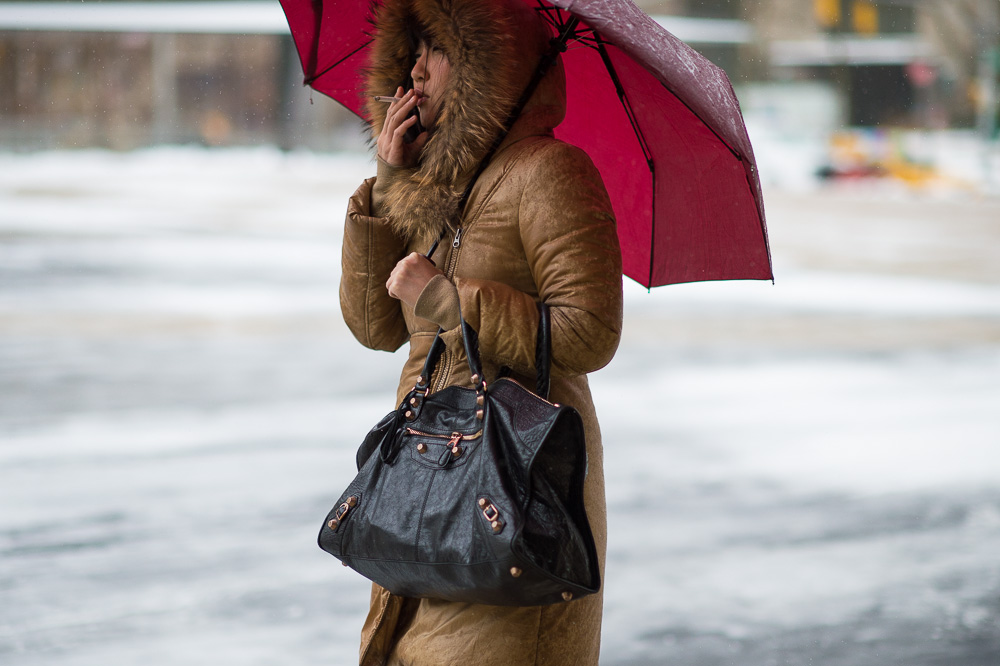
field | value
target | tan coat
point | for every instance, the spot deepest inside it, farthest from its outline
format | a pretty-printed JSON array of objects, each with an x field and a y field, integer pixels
[{"x": 538, "y": 226}]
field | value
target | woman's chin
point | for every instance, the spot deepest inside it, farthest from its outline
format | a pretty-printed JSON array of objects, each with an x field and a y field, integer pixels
[{"x": 426, "y": 120}]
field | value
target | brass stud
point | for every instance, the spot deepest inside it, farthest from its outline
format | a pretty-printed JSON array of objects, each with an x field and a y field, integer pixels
[
  {"x": 409, "y": 414},
  {"x": 475, "y": 379},
  {"x": 344, "y": 563},
  {"x": 456, "y": 451},
  {"x": 479, "y": 414},
  {"x": 421, "y": 448},
  {"x": 482, "y": 502},
  {"x": 420, "y": 379},
  {"x": 413, "y": 401},
  {"x": 567, "y": 595},
  {"x": 496, "y": 525},
  {"x": 333, "y": 524},
  {"x": 479, "y": 400},
  {"x": 352, "y": 501},
  {"x": 515, "y": 572}
]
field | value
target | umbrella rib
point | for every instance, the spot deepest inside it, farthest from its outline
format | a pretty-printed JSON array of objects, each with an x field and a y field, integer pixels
[
  {"x": 547, "y": 13},
  {"x": 553, "y": 16},
  {"x": 630, "y": 113},
  {"x": 309, "y": 80},
  {"x": 623, "y": 98}
]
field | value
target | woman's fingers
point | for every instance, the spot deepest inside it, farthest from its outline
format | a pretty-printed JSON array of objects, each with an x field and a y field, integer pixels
[
  {"x": 392, "y": 114},
  {"x": 398, "y": 152},
  {"x": 410, "y": 276},
  {"x": 401, "y": 128},
  {"x": 398, "y": 111},
  {"x": 392, "y": 147},
  {"x": 389, "y": 127}
]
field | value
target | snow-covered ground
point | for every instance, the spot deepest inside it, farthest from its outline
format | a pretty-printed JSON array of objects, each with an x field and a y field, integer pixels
[{"x": 799, "y": 473}]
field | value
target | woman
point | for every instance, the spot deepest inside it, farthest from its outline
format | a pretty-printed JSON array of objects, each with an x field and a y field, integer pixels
[{"x": 537, "y": 226}]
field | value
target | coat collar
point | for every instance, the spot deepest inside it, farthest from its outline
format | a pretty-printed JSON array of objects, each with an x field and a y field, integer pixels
[{"x": 493, "y": 47}]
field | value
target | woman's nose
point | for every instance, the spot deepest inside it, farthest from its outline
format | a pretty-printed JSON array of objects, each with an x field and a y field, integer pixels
[{"x": 418, "y": 70}]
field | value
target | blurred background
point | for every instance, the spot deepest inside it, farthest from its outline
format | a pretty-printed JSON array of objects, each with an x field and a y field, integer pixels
[
  {"x": 799, "y": 473},
  {"x": 875, "y": 82}
]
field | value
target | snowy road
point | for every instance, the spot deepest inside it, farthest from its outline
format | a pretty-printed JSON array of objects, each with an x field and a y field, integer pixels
[{"x": 804, "y": 473}]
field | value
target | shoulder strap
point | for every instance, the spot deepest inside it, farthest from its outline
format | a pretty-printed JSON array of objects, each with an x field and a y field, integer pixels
[{"x": 543, "y": 351}]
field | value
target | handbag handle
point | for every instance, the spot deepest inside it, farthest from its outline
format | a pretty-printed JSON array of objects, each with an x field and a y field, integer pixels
[
  {"x": 543, "y": 356},
  {"x": 543, "y": 352}
]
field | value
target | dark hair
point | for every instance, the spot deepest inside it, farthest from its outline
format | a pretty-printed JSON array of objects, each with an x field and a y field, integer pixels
[{"x": 416, "y": 32}]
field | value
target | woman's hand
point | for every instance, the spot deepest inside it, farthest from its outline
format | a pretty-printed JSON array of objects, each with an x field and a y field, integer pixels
[
  {"x": 410, "y": 276},
  {"x": 392, "y": 147}
]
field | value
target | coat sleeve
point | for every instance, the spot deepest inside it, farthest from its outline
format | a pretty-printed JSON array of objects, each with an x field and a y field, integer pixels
[
  {"x": 570, "y": 241},
  {"x": 370, "y": 251}
]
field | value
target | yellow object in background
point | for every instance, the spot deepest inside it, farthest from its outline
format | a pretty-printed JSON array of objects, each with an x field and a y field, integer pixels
[
  {"x": 827, "y": 12},
  {"x": 864, "y": 17}
]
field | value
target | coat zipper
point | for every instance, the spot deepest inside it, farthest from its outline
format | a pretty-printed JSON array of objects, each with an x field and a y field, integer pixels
[
  {"x": 446, "y": 360},
  {"x": 456, "y": 243}
]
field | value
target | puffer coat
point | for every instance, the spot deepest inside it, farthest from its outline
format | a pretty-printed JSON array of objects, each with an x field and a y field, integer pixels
[{"x": 538, "y": 226}]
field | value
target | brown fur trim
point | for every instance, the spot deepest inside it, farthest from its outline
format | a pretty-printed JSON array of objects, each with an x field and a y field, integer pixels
[{"x": 479, "y": 38}]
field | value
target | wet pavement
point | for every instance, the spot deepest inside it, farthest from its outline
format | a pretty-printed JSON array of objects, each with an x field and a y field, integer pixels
[{"x": 803, "y": 473}]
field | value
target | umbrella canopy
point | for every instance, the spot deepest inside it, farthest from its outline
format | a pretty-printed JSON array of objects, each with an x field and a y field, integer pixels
[{"x": 660, "y": 122}]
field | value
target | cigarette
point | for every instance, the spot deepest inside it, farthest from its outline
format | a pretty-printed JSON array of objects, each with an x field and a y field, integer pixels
[{"x": 389, "y": 100}]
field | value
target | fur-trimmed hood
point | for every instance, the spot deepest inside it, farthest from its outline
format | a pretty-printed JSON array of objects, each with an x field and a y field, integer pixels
[{"x": 493, "y": 47}]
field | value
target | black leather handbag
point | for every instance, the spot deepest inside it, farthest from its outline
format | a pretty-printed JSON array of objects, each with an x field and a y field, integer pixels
[{"x": 471, "y": 494}]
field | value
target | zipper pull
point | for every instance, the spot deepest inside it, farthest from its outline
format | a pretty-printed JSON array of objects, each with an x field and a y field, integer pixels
[
  {"x": 458, "y": 238},
  {"x": 456, "y": 450}
]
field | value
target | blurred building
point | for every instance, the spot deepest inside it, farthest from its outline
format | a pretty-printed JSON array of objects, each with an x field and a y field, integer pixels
[
  {"x": 909, "y": 63},
  {"x": 129, "y": 74},
  {"x": 126, "y": 74}
]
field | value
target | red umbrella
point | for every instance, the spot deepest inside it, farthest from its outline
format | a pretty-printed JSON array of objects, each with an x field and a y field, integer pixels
[{"x": 661, "y": 123}]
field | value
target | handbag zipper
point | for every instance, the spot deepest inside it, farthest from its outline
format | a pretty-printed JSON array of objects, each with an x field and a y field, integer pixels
[
  {"x": 514, "y": 381},
  {"x": 453, "y": 439}
]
